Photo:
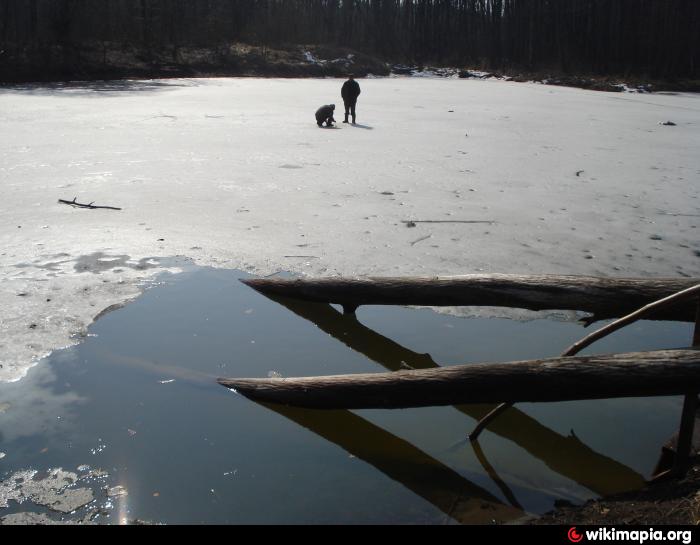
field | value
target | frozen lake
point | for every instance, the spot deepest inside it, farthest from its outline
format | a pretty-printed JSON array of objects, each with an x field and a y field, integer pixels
[{"x": 234, "y": 173}]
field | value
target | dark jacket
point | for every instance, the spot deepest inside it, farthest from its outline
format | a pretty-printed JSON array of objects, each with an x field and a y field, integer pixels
[
  {"x": 325, "y": 112},
  {"x": 350, "y": 91}
]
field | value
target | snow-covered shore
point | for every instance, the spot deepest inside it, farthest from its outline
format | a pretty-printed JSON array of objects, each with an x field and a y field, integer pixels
[{"x": 234, "y": 173}]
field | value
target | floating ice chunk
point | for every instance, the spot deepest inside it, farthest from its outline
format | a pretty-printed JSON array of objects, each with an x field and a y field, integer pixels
[{"x": 117, "y": 491}]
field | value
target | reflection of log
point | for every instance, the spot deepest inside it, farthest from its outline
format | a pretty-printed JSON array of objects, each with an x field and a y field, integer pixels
[
  {"x": 349, "y": 331},
  {"x": 443, "y": 487},
  {"x": 635, "y": 374},
  {"x": 566, "y": 455},
  {"x": 602, "y": 297},
  {"x": 491, "y": 472},
  {"x": 670, "y": 448}
]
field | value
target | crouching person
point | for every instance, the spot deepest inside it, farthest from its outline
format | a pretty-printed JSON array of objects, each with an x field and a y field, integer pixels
[{"x": 325, "y": 115}]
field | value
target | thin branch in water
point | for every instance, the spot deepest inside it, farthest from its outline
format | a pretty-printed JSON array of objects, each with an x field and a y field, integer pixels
[
  {"x": 575, "y": 348},
  {"x": 684, "y": 295}
]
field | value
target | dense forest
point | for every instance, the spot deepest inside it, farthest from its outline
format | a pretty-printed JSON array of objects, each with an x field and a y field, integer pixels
[{"x": 648, "y": 38}]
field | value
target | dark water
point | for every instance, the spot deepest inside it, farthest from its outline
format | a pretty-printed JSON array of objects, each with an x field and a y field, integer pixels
[{"x": 138, "y": 399}]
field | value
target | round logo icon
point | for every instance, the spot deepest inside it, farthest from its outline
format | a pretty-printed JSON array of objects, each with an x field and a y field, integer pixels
[{"x": 574, "y": 536}]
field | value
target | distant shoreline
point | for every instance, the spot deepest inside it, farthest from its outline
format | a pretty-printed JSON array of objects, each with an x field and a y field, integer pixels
[{"x": 54, "y": 64}]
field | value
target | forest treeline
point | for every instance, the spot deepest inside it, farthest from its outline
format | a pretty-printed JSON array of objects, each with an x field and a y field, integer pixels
[{"x": 648, "y": 38}]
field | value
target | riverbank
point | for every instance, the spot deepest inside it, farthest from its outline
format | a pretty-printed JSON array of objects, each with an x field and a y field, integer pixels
[
  {"x": 111, "y": 61},
  {"x": 671, "y": 502}
]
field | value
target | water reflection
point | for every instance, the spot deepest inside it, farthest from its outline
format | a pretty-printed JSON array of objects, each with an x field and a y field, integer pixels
[
  {"x": 443, "y": 487},
  {"x": 566, "y": 455},
  {"x": 41, "y": 404},
  {"x": 491, "y": 472},
  {"x": 138, "y": 398}
]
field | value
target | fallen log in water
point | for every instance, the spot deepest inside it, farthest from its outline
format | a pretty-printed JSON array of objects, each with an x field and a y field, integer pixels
[
  {"x": 635, "y": 374},
  {"x": 602, "y": 297}
]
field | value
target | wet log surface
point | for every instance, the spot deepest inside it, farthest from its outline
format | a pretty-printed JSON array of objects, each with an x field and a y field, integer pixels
[
  {"x": 635, "y": 374},
  {"x": 602, "y": 297}
]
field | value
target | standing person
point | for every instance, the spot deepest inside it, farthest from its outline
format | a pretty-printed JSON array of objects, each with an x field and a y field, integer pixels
[
  {"x": 325, "y": 115},
  {"x": 350, "y": 92}
]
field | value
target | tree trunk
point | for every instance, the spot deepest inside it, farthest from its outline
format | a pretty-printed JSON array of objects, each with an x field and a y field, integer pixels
[
  {"x": 602, "y": 297},
  {"x": 635, "y": 374}
]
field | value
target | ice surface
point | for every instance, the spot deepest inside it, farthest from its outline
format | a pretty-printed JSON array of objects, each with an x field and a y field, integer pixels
[
  {"x": 235, "y": 173},
  {"x": 53, "y": 490}
]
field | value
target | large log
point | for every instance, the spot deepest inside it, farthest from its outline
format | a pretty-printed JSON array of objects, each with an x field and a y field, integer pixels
[
  {"x": 602, "y": 297},
  {"x": 634, "y": 374}
]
